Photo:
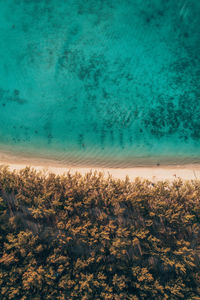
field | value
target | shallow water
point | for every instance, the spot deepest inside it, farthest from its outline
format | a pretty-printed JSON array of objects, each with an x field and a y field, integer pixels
[{"x": 111, "y": 82}]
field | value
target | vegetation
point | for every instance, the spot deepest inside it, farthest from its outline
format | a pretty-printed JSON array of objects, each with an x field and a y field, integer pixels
[{"x": 75, "y": 237}]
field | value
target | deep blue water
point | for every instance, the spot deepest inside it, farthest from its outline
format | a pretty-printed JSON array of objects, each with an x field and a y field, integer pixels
[{"x": 110, "y": 82}]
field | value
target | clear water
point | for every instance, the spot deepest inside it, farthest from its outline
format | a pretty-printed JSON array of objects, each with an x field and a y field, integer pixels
[{"x": 101, "y": 81}]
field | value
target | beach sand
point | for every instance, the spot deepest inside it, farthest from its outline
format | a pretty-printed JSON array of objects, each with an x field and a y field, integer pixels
[{"x": 154, "y": 173}]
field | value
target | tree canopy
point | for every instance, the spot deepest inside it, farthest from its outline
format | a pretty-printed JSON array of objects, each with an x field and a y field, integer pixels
[{"x": 91, "y": 237}]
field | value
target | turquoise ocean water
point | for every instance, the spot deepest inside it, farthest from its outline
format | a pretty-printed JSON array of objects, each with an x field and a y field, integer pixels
[{"x": 101, "y": 81}]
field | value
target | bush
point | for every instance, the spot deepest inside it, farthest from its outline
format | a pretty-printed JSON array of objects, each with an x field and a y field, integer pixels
[{"x": 90, "y": 237}]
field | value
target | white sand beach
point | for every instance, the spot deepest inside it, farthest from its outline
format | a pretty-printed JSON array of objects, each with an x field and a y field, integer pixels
[{"x": 155, "y": 173}]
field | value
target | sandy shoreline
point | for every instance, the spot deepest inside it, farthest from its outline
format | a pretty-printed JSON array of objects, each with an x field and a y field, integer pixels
[{"x": 165, "y": 172}]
